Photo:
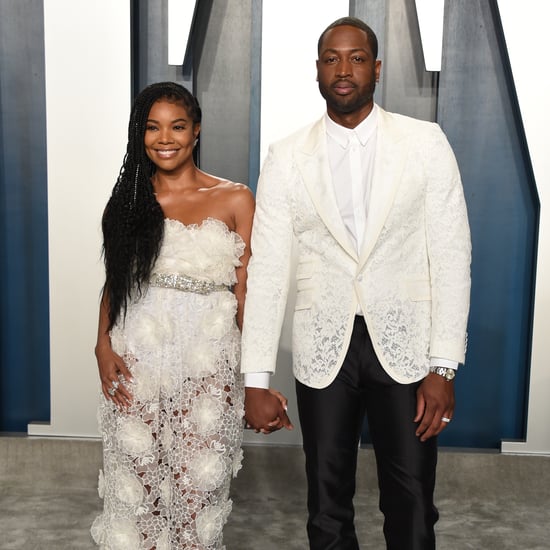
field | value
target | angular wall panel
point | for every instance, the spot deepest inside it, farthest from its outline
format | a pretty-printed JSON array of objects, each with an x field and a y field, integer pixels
[
  {"x": 477, "y": 109},
  {"x": 24, "y": 337}
]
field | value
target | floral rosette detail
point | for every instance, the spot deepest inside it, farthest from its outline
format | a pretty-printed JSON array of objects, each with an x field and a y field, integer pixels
[
  {"x": 200, "y": 360},
  {"x": 173, "y": 256},
  {"x": 134, "y": 436},
  {"x": 97, "y": 530},
  {"x": 218, "y": 253},
  {"x": 207, "y": 470},
  {"x": 151, "y": 331},
  {"x": 210, "y": 522},
  {"x": 145, "y": 385},
  {"x": 217, "y": 322},
  {"x": 128, "y": 487},
  {"x": 123, "y": 535},
  {"x": 206, "y": 414}
]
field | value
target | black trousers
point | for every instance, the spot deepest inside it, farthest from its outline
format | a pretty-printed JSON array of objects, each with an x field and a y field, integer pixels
[{"x": 331, "y": 421}]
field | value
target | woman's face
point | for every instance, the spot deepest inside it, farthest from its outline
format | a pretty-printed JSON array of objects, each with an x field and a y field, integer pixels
[{"x": 170, "y": 135}]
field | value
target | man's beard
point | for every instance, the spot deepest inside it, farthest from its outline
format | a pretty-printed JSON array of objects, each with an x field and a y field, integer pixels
[{"x": 343, "y": 105}]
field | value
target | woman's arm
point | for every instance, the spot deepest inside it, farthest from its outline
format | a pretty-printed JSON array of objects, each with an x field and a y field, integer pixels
[
  {"x": 110, "y": 364},
  {"x": 243, "y": 205}
]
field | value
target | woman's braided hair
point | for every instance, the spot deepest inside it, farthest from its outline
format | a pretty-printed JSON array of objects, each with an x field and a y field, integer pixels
[{"x": 133, "y": 221}]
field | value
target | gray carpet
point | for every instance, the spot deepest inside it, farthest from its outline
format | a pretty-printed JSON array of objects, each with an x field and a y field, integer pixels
[{"x": 48, "y": 499}]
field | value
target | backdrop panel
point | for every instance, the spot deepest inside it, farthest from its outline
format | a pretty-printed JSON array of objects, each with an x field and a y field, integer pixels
[
  {"x": 87, "y": 50},
  {"x": 477, "y": 109},
  {"x": 24, "y": 337}
]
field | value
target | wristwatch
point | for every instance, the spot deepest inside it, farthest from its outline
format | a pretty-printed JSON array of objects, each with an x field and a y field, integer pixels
[{"x": 447, "y": 373}]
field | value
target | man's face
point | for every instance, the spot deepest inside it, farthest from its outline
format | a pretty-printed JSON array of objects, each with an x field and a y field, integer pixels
[{"x": 347, "y": 73}]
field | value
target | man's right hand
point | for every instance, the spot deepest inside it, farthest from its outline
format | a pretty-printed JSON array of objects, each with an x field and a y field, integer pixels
[{"x": 264, "y": 410}]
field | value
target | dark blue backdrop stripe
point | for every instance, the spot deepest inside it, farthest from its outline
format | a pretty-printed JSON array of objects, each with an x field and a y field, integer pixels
[
  {"x": 478, "y": 111},
  {"x": 24, "y": 326}
]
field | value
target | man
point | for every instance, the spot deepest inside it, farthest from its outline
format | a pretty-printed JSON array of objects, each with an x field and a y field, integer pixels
[{"x": 374, "y": 203}]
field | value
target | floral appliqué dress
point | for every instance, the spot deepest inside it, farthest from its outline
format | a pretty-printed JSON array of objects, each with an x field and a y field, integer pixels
[{"x": 168, "y": 459}]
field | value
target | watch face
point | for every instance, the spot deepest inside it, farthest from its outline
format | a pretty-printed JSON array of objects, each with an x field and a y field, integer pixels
[
  {"x": 445, "y": 372},
  {"x": 449, "y": 374}
]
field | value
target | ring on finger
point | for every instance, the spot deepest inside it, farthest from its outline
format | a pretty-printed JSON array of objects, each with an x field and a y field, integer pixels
[
  {"x": 115, "y": 384},
  {"x": 445, "y": 419},
  {"x": 111, "y": 391}
]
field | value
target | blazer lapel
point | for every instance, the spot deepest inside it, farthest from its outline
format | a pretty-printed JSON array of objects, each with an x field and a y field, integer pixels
[
  {"x": 312, "y": 161},
  {"x": 391, "y": 154}
]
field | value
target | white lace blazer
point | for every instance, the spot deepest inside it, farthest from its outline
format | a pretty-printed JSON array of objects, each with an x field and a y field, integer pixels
[{"x": 412, "y": 277}]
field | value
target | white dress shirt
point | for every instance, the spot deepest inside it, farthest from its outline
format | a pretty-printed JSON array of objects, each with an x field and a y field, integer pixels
[{"x": 351, "y": 158}]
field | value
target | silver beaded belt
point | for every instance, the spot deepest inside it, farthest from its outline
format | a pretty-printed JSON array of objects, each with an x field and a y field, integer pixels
[{"x": 184, "y": 283}]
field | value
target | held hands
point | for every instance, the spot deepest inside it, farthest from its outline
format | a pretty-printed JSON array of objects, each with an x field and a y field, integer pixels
[
  {"x": 435, "y": 400},
  {"x": 265, "y": 410},
  {"x": 111, "y": 370}
]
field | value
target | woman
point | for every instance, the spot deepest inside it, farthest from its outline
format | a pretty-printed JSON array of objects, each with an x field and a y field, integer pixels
[{"x": 176, "y": 247}]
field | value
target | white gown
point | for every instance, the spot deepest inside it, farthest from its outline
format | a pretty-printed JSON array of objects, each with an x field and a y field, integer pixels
[{"x": 168, "y": 460}]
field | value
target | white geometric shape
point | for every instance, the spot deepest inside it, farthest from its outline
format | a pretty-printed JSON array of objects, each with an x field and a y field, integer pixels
[
  {"x": 430, "y": 21},
  {"x": 290, "y": 95},
  {"x": 86, "y": 137},
  {"x": 180, "y": 17},
  {"x": 525, "y": 30}
]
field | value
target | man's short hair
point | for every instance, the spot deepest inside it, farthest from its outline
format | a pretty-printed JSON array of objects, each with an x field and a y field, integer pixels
[{"x": 352, "y": 22}]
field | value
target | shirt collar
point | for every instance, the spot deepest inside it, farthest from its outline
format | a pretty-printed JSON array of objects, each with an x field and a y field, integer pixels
[{"x": 363, "y": 131}]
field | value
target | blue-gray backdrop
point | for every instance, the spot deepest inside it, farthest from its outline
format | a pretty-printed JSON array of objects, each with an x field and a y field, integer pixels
[{"x": 473, "y": 99}]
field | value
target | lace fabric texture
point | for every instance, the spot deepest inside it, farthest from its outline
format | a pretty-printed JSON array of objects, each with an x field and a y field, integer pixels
[
  {"x": 411, "y": 277},
  {"x": 169, "y": 459}
]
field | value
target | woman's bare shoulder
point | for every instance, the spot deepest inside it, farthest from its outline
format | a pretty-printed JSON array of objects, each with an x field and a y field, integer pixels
[{"x": 233, "y": 190}]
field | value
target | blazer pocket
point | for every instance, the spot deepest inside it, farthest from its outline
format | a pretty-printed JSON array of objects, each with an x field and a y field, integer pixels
[
  {"x": 419, "y": 290},
  {"x": 304, "y": 285},
  {"x": 305, "y": 270},
  {"x": 303, "y": 299}
]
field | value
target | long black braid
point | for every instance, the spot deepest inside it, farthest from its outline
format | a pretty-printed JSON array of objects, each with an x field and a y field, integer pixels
[{"x": 133, "y": 221}]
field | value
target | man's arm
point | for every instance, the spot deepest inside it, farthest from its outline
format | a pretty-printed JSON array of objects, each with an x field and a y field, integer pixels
[
  {"x": 449, "y": 250},
  {"x": 267, "y": 291}
]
